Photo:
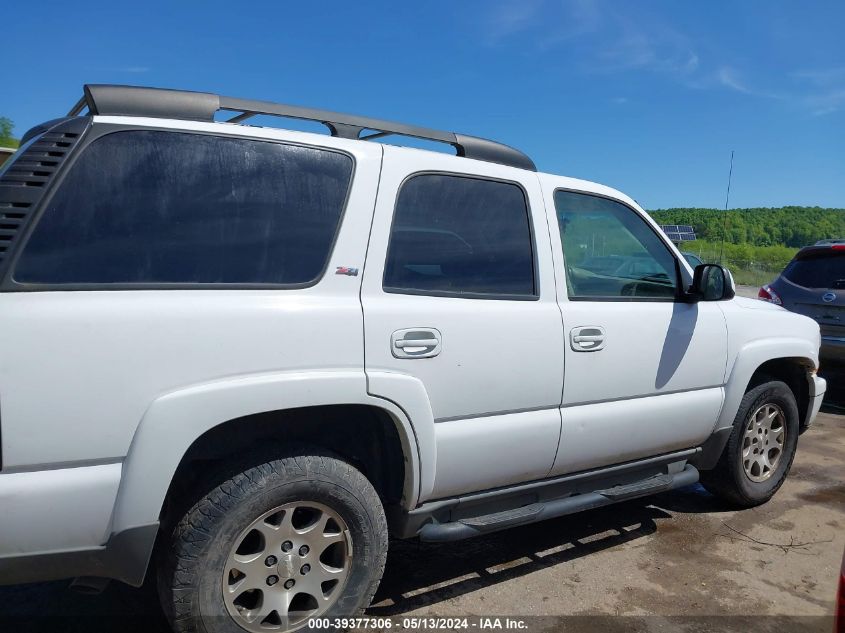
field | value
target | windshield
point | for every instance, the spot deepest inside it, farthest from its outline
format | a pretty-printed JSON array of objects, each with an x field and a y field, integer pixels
[{"x": 823, "y": 270}]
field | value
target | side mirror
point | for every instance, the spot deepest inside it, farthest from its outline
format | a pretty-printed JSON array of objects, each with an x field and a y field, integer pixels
[{"x": 711, "y": 282}]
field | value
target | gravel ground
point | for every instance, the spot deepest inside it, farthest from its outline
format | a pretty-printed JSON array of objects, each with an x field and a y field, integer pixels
[
  {"x": 677, "y": 561},
  {"x": 747, "y": 291},
  {"x": 678, "y": 554}
]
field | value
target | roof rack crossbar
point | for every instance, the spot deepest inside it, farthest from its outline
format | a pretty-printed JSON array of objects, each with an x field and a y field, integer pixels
[
  {"x": 78, "y": 106},
  {"x": 243, "y": 116},
  {"x": 201, "y": 106},
  {"x": 370, "y": 137}
]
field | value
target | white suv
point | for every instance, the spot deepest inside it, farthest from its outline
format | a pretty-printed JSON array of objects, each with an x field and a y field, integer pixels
[{"x": 245, "y": 356}]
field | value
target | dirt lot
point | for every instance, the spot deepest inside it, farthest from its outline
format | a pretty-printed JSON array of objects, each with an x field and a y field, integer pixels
[
  {"x": 678, "y": 561},
  {"x": 747, "y": 291},
  {"x": 677, "y": 554}
]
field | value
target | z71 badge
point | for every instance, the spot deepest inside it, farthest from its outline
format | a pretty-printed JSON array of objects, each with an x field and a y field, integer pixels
[{"x": 344, "y": 270}]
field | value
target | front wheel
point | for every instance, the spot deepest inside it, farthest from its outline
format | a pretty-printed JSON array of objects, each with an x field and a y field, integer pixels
[
  {"x": 273, "y": 546},
  {"x": 760, "y": 450}
]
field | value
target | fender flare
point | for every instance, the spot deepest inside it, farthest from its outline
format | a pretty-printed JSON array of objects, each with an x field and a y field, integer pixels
[
  {"x": 748, "y": 359},
  {"x": 176, "y": 419}
]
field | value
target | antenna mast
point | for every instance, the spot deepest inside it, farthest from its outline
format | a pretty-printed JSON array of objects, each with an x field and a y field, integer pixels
[{"x": 725, "y": 217}]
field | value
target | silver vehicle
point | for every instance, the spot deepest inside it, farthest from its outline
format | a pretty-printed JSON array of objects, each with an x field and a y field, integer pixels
[
  {"x": 813, "y": 283},
  {"x": 692, "y": 259},
  {"x": 242, "y": 358}
]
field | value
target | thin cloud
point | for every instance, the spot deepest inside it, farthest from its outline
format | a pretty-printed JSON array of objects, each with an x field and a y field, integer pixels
[
  {"x": 826, "y": 102},
  {"x": 579, "y": 18},
  {"x": 728, "y": 77},
  {"x": 604, "y": 38},
  {"x": 640, "y": 51},
  {"x": 692, "y": 63},
  {"x": 609, "y": 40},
  {"x": 819, "y": 91},
  {"x": 731, "y": 78},
  {"x": 509, "y": 18},
  {"x": 821, "y": 76},
  {"x": 826, "y": 89}
]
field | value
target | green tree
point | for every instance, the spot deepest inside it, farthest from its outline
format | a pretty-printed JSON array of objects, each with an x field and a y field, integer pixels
[
  {"x": 786, "y": 226},
  {"x": 6, "y": 138}
]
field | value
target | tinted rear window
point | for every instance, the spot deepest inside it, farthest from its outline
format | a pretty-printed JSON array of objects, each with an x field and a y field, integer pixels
[
  {"x": 460, "y": 235},
  {"x": 823, "y": 270},
  {"x": 176, "y": 208}
]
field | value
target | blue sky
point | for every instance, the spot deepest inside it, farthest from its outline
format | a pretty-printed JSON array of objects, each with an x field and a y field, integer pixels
[{"x": 648, "y": 97}]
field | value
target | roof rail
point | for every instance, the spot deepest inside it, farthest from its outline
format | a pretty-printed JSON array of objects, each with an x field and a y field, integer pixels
[{"x": 202, "y": 106}]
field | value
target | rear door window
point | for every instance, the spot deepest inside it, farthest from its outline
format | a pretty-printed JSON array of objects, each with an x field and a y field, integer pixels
[
  {"x": 155, "y": 207},
  {"x": 464, "y": 236}
]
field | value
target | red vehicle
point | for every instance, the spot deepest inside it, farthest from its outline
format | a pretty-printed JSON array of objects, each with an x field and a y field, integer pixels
[{"x": 839, "y": 618}]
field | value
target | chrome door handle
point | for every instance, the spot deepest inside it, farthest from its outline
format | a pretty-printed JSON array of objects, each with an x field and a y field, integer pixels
[
  {"x": 587, "y": 338},
  {"x": 423, "y": 342},
  {"x": 416, "y": 343}
]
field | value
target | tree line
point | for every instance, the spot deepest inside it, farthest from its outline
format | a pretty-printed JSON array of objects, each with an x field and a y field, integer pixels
[{"x": 784, "y": 226}]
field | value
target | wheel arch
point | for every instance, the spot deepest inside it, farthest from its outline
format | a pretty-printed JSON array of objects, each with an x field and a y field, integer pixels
[
  {"x": 794, "y": 372},
  {"x": 362, "y": 435},
  {"x": 782, "y": 358},
  {"x": 196, "y": 421}
]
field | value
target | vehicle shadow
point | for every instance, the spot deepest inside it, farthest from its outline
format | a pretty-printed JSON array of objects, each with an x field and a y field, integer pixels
[
  {"x": 834, "y": 399},
  {"x": 677, "y": 342},
  {"x": 51, "y": 607},
  {"x": 417, "y": 574},
  {"x": 421, "y": 574}
]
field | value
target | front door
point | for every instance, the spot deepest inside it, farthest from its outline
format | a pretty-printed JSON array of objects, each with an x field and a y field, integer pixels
[
  {"x": 644, "y": 371},
  {"x": 459, "y": 294}
]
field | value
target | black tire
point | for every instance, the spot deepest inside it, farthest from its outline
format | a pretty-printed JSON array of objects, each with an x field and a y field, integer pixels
[
  {"x": 193, "y": 558},
  {"x": 728, "y": 479}
]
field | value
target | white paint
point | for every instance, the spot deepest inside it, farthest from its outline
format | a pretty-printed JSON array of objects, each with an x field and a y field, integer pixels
[
  {"x": 136, "y": 376},
  {"x": 55, "y": 510},
  {"x": 497, "y": 356}
]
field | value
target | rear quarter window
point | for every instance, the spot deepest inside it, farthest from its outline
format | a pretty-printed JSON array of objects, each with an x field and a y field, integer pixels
[{"x": 154, "y": 207}]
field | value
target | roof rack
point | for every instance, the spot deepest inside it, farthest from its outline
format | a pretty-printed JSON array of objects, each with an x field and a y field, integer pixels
[{"x": 202, "y": 106}]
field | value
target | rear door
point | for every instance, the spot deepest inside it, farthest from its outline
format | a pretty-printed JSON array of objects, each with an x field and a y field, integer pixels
[{"x": 459, "y": 294}]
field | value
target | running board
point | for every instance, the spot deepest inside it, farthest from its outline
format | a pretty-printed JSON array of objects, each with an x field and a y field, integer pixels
[{"x": 476, "y": 526}]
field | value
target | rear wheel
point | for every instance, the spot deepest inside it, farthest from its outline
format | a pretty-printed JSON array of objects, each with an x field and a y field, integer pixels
[
  {"x": 273, "y": 546},
  {"x": 760, "y": 450}
]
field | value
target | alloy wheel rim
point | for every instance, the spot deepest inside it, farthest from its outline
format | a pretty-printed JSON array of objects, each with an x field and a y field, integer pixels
[
  {"x": 763, "y": 442},
  {"x": 289, "y": 565}
]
